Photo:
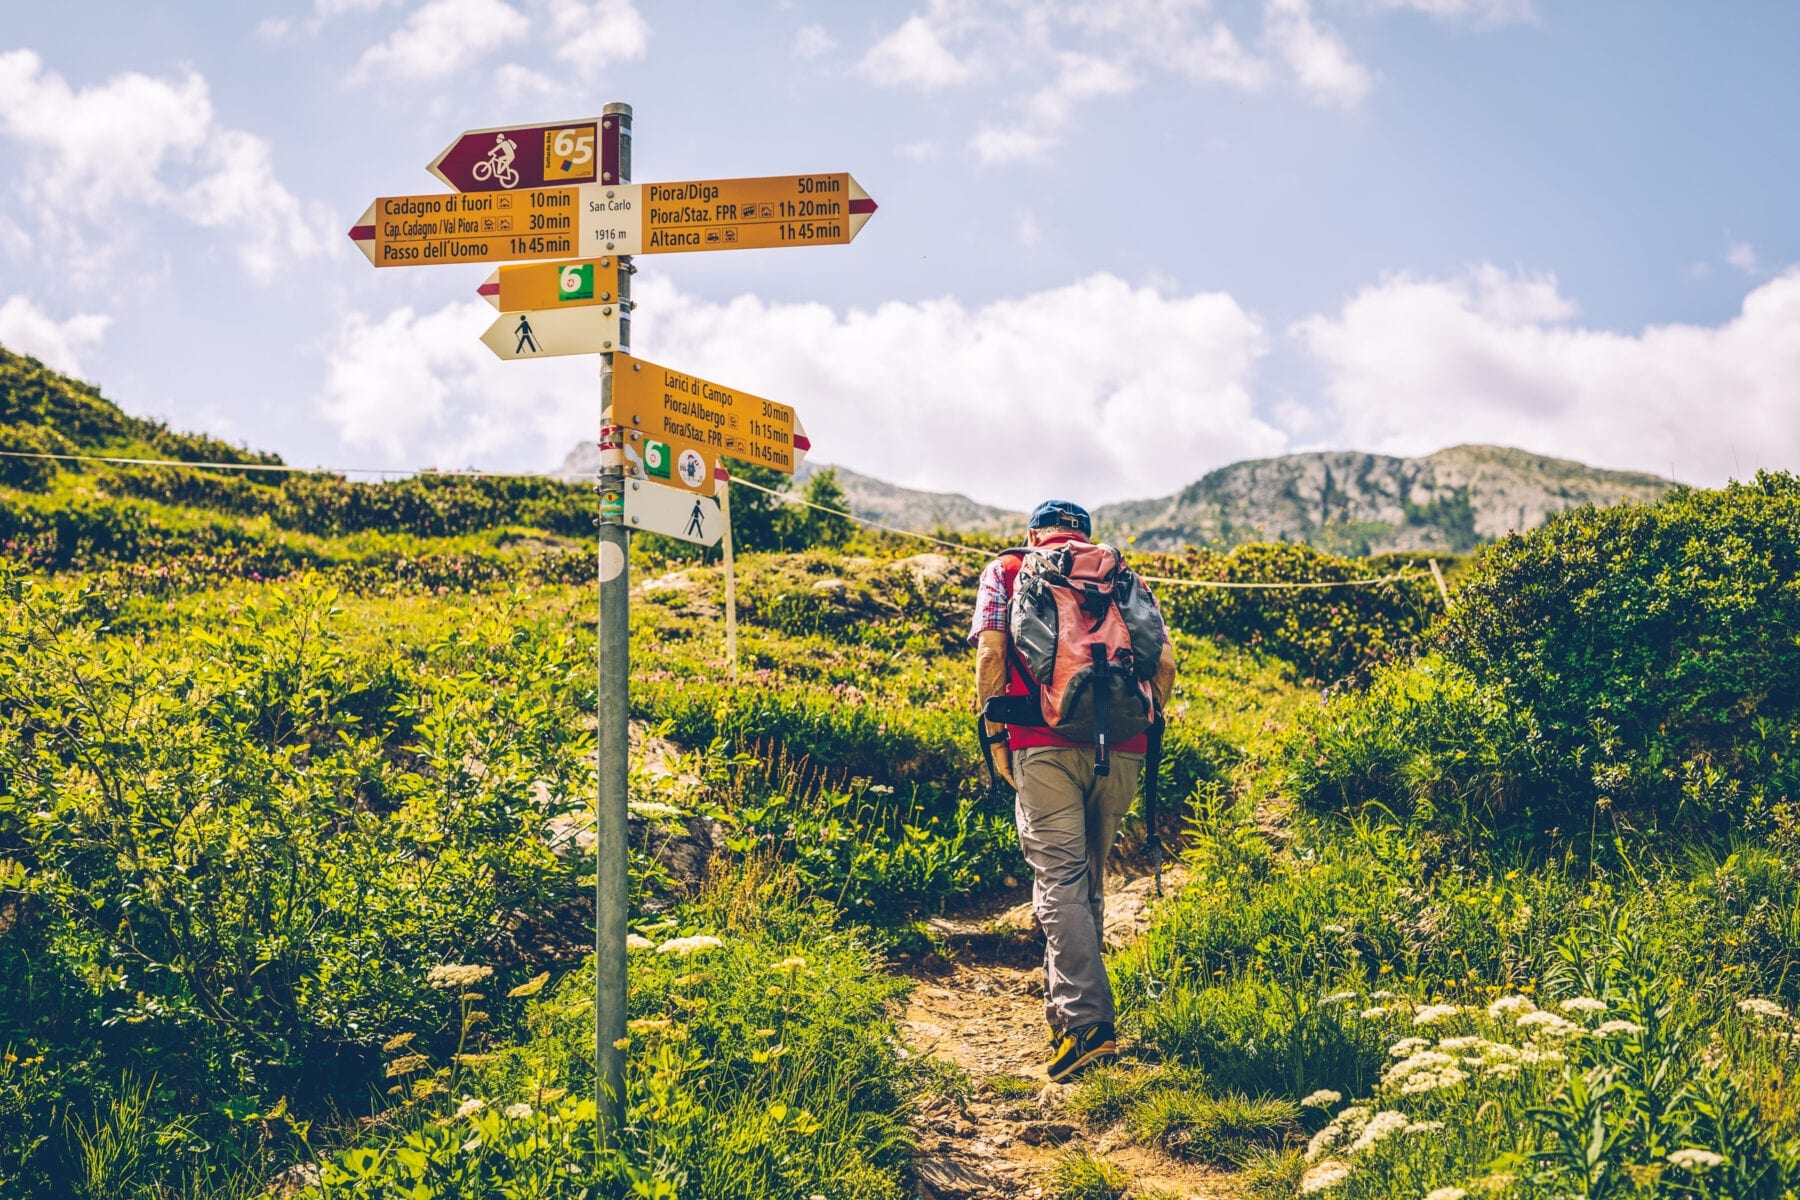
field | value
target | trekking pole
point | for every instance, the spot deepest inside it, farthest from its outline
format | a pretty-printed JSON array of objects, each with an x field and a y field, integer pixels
[{"x": 1153, "y": 844}]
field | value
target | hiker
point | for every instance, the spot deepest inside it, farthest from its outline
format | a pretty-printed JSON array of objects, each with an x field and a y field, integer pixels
[{"x": 1113, "y": 671}]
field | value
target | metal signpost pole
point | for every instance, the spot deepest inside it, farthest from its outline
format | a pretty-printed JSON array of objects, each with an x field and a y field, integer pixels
[{"x": 612, "y": 883}]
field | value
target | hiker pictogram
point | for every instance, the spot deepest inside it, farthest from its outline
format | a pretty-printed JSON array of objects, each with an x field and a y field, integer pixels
[
  {"x": 525, "y": 339},
  {"x": 696, "y": 526}
]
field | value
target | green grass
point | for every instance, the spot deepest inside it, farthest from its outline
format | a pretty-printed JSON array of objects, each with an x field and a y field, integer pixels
[
  {"x": 1081, "y": 1175},
  {"x": 1013, "y": 1087},
  {"x": 1218, "y": 1129}
]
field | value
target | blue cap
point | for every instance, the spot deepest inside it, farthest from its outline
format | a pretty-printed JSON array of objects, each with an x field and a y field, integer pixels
[{"x": 1061, "y": 513}]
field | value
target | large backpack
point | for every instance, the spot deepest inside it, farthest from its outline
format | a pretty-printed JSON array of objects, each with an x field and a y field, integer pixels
[{"x": 1086, "y": 638}]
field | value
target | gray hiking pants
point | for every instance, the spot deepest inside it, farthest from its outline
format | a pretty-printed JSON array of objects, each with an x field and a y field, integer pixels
[{"x": 1068, "y": 819}]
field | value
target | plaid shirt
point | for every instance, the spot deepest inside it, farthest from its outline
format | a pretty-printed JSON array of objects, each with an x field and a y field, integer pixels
[{"x": 991, "y": 601}]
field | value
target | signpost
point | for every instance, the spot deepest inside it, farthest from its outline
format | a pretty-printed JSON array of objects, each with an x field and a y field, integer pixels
[
  {"x": 751, "y": 214},
  {"x": 557, "y": 200},
  {"x": 658, "y": 402},
  {"x": 677, "y": 514},
  {"x": 548, "y": 333},
  {"x": 523, "y": 156},
  {"x": 486, "y": 227},
  {"x": 535, "y": 224},
  {"x": 556, "y": 285}
]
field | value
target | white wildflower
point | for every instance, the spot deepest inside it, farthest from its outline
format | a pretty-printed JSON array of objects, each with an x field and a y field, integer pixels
[
  {"x": 1548, "y": 1024},
  {"x": 1374, "y": 1014},
  {"x": 1323, "y": 1098},
  {"x": 517, "y": 1112},
  {"x": 1501, "y": 1070},
  {"x": 1455, "y": 1044},
  {"x": 1509, "y": 1004},
  {"x": 1431, "y": 1014},
  {"x": 456, "y": 976},
  {"x": 1336, "y": 998},
  {"x": 1384, "y": 994},
  {"x": 1757, "y": 1006},
  {"x": 469, "y": 1107},
  {"x": 1446, "y": 1193},
  {"x": 1380, "y": 1126},
  {"x": 1326, "y": 1174},
  {"x": 1622, "y": 1028},
  {"x": 1406, "y": 1046},
  {"x": 1426, "y": 1071},
  {"x": 637, "y": 941},
  {"x": 1333, "y": 928},
  {"x": 1423, "y": 1127},
  {"x": 1694, "y": 1159},
  {"x": 685, "y": 946},
  {"x": 1347, "y": 1124},
  {"x": 1586, "y": 1004}
]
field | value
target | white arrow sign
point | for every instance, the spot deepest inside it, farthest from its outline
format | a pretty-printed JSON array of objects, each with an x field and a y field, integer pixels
[
  {"x": 548, "y": 333},
  {"x": 672, "y": 512}
]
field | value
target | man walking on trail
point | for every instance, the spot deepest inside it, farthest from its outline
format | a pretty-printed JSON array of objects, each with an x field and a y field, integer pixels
[{"x": 1072, "y": 795}]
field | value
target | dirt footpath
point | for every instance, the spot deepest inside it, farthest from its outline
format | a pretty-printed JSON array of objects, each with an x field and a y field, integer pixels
[{"x": 984, "y": 1012}]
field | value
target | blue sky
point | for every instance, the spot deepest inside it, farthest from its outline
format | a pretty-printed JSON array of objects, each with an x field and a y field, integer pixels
[{"x": 1119, "y": 244}]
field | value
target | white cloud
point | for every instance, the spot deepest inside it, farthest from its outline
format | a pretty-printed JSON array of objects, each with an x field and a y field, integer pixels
[
  {"x": 1030, "y": 233},
  {"x": 337, "y": 8},
  {"x": 1742, "y": 255},
  {"x": 267, "y": 222},
  {"x": 920, "y": 151},
  {"x": 1485, "y": 12},
  {"x": 1056, "y": 58},
  {"x": 14, "y": 241},
  {"x": 915, "y": 54},
  {"x": 98, "y": 157},
  {"x": 27, "y": 329},
  {"x": 422, "y": 389},
  {"x": 591, "y": 35},
  {"x": 440, "y": 38},
  {"x": 1100, "y": 386},
  {"x": 1003, "y": 402},
  {"x": 513, "y": 81},
  {"x": 1173, "y": 34},
  {"x": 1412, "y": 365},
  {"x": 1322, "y": 65},
  {"x": 1217, "y": 57},
  {"x": 812, "y": 41},
  {"x": 1046, "y": 112}
]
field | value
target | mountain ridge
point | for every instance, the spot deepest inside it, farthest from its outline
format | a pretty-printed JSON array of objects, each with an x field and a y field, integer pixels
[{"x": 1345, "y": 501}]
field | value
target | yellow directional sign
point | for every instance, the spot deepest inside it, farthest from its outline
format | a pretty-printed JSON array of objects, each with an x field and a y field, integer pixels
[
  {"x": 752, "y": 214},
  {"x": 537, "y": 223},
  {"x": 555, "y": 285},
  {"x": 668, "y": 405}
]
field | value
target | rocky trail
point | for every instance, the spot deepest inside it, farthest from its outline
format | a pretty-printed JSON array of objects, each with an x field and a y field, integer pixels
[{"x": 982, "y": 1010}]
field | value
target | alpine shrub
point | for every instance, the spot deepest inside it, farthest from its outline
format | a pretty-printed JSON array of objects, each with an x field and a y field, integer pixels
[{"x": 1653, "y": 648}]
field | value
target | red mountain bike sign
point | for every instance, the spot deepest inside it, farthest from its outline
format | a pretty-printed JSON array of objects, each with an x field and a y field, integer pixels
[{"x": 527, "y": 156}]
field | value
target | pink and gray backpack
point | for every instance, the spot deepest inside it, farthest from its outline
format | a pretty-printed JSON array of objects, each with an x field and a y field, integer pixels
[{"x": 1086, "y": 637}]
